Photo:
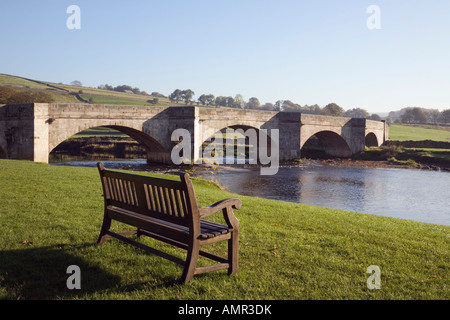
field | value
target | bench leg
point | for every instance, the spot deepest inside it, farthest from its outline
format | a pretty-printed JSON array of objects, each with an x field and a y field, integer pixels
[
  {"x": 233, "y": 252},
  {"x": 105, "y": 227},
  {"x": 191, "y": 262}
]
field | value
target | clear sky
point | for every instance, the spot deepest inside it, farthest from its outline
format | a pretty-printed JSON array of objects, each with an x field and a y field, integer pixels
[{"x": 309, "y": 52}]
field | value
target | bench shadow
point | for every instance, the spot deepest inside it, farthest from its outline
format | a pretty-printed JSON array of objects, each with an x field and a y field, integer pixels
[{"x": 42, "y": 273}]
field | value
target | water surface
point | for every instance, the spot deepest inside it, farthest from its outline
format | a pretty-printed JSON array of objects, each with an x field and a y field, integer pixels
[{"x": 417, "y": 195}]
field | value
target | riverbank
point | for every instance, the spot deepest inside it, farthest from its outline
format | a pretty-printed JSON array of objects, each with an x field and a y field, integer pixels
[
  {"x": 426, "y": 155},
  {"x": 350, "y": 163},
  {"x": 399, "y": 155},
  {"x": 51, "y": 216}
]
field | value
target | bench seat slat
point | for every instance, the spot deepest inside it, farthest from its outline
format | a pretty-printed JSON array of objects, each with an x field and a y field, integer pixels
[{"x": 208, "y": 229}]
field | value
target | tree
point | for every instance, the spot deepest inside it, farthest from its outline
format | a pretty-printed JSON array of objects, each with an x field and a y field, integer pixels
[
  {"x": 206, "y": 99},
  {"x": 229, "y": 102},
  {"x": 202, "y": 99},
  {"x": 332, "y": 109},
  {"x": 157, "y": 95},
  {"x": 407, "y": 116},
  {"x": 221, "y": 101},
  {"x": 210, "y": 99},
  {"x": 253, "y": 103},
  {"x": 356, "y": 113},
  {"x": 76, "y": 83},
  {"x": 414, "y": 115},
  {"x": 105, "y": 87},
  {"x": 186, "y": 95},
  {"x": 445, "y": 116},
  {"x": 239, "y": 101},
  {"x": 374, "y": 117},
  {"x": 433, "y": 115},
  {"x": 123, "y": 88},
  {"x": 175, "y": 96},
  {"x": 279, "y": 105},
  {"x": 268, "y": 106},
  {"x": 288, "y": 105},
  {"x": 313, "y": 109},
  {"x": 420, "y": 116},
  {"x": 136, "y": 91}
]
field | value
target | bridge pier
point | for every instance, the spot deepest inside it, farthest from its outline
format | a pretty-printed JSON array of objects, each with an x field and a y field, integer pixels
[
  {"x": 24, "y": 131},
  {"x": 289, "y": 124}
]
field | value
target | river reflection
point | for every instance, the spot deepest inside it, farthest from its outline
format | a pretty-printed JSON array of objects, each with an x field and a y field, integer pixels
[
  {"x": 401, "y": 193},
  {"x": 408, "y": 194}
]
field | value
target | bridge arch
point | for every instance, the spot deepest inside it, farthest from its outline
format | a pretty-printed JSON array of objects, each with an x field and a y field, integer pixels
[
  {"x": 333, "y": 143},
  {"x": 244, "y": 144},
  {"x": 155, "y": 150},
  {"x": 371, "y": 140}
]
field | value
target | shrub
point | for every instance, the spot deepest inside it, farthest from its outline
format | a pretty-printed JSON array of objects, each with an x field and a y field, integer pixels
[{"x": 391, "y": 151}]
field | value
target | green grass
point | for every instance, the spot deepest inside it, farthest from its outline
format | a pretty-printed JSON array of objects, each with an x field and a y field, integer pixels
[
  {"x": 17, "y": 81},
  {"x": 50, "y": 218},
  {"x": 416, "y": 133}
]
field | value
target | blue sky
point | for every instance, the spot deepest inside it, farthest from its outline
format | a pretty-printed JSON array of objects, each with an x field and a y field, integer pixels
[{"x": 305, "y": 51}]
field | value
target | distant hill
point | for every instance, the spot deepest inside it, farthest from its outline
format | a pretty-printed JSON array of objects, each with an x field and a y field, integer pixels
[{"x": 69, "y": 93}]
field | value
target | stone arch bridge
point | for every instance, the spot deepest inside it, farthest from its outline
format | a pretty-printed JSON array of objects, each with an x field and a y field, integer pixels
[{"x": 32, "y": 131}]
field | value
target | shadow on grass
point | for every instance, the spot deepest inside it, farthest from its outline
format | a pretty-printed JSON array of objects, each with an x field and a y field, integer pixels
[{"x": 41, "y": 274}]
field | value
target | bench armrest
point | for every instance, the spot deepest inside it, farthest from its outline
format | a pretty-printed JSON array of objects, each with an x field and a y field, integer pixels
[{"x": 226, "y": 206}]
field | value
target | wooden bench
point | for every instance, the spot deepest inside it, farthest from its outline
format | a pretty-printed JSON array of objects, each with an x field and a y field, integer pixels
[{"x": 167, "y": 210}]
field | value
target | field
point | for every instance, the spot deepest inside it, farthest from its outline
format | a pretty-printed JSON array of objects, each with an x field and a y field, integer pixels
[
  {"x": 51, "y": 217},
  {"x": 418, "y": 133}
]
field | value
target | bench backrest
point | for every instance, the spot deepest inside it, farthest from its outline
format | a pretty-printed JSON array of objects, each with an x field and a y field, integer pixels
[{"x": 168, "y": 200}]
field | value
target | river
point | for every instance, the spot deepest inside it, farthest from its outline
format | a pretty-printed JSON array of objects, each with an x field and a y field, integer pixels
[{"x": 411, "y": 194}]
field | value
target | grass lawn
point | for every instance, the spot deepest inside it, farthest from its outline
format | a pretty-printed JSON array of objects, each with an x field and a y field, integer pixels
[
  {"x": 414, "y": 133},
  {"x": 50, "y": 218}
]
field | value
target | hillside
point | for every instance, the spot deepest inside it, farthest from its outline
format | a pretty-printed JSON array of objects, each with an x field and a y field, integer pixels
[{"x": 68, "y": 93}]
